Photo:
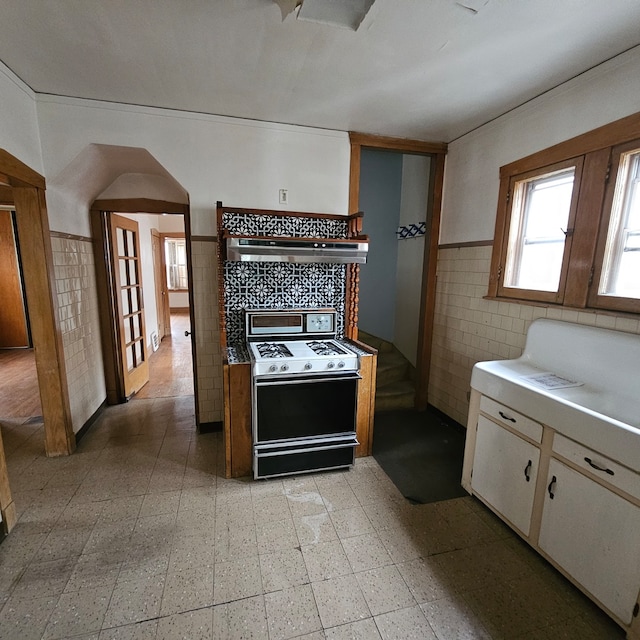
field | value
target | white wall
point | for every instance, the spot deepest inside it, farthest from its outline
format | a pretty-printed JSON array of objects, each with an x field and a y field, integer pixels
[
  {"x": 469, "y": 328},
  {"x": 239, "y": 162},
  {"x": 597, "y": 97},
  {"x": 19, "y": 124},
  {"x": 413, "y": 209}
]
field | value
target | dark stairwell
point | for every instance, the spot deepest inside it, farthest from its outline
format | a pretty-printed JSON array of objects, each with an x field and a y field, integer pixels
[{"x": 395, "y": 387}]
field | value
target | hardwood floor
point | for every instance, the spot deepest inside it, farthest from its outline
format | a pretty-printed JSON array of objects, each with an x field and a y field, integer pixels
[
  {"x": 170, "y": 374},
  {"x": 170, "y": 367},
  {"x": 19, "y": 392}
]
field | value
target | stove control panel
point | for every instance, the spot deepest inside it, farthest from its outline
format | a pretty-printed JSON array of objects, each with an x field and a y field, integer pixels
[{"x": 319, "y": 322}]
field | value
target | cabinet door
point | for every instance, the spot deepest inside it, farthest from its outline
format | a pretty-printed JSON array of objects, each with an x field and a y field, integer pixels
[
  {"x": 504, "y": 472},
  {"x": 594, "y": 535}
]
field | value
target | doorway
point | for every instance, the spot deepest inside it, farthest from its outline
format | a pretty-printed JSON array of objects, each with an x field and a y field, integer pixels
[
  {"x": 418, "y": 303},
  {"x": 165, "y": 302}
]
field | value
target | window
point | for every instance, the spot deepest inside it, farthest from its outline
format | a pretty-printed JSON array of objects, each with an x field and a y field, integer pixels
[
  {"x": 176, "y": 261},
  {"x": 568, "y": 223}
]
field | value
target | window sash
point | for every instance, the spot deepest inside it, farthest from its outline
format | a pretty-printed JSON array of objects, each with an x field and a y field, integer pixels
[
  {"x": 616, "y": 237},
  {"x": 514, "y": 238}
]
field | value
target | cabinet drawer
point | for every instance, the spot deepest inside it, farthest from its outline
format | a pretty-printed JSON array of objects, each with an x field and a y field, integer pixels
[
  {"x": 597, "y": 464},
  {"x": 506, "y": 415}
]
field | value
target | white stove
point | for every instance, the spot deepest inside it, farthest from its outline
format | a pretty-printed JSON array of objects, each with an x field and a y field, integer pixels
[
  {"x": 301, "y": 356},
  {"x": 297, "y": 342},
  {"x": 304, "y": 392}
]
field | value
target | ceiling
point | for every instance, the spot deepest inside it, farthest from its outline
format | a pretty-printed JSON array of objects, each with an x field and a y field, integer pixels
[{"x": 424, "y": 69}]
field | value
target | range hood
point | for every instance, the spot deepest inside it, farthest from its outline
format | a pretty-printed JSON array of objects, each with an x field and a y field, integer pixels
[{"x": 280, "y": 249}]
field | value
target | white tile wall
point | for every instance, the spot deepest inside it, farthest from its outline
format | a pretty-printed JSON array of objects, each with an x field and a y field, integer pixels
[
  {"x": 207, "y": 330},
  {"x": 74, "y": 274},
  {"x": 469, "y": 329}
]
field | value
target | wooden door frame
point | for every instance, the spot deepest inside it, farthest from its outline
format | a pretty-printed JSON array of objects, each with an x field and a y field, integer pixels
[
  {"x": 163, "y": 236},
  {"x": 160, "y": 279},
  {"x": 24, "y": 188},
  {"x": 115, "y": 392},
  {"x": 437, "y": 151}
]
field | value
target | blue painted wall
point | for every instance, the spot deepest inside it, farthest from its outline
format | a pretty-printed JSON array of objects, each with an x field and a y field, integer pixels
[{"x": 380, "y": 193}]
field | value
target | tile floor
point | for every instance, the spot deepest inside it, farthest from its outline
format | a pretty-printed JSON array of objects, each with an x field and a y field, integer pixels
[{"x": 139, "y": 536}]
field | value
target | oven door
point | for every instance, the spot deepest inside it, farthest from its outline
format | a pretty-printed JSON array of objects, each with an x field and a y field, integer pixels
[
  {"x": 304, "y": 406},
  {"x": 304, "y": 423}
]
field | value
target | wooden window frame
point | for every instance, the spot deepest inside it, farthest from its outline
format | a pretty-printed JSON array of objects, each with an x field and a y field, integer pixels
[{"x": 593, "y": 192}]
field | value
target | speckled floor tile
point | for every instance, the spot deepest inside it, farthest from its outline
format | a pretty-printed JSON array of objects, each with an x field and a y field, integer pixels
[
  {"x": 283, "y": 569},
  {"x": 292, "y": 613},
  {"x": 366, "y": 552},
  {"x": 236, "y": 579},
  {"x": 187, "y": 590},
  {"x": 385, "y": 590},
  {"x": 134, "y": 601},
  {"x": 232, "y": 543},
  {"x": 137, "y": 631},
  {"x": 326, "y": 560},
  {"x": 405, "y": 624},
  {"x": 191, "y": 625},
  {"x": 425, "y": 583},
  {"x": 276, "y": 536},
  {"x": 25, "y": 619},
  {"x": 361, "y": 630},
  {"x": 246, "y": 619},
  {"x": 340, "y": 601},
  {"x": 312, "y": 529},
  {"x": 91, "y": 571},
  {"x": 453, "y": 618},
  {"x": 338, "y": 496},
  {"x": 157, "y": 503},
  {"x": 79, "y": 612},
  {"x": 351, "y": 522},
  {"x": 44, "y": 579},
  {"x": 271, "y": 509}
]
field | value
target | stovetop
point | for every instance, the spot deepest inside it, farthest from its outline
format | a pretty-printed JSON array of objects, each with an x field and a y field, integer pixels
[
  {"x": 296, "y": 341},
  {"x": 301, "y": 356}
]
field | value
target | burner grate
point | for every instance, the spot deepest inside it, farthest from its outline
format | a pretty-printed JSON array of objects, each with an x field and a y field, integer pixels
[
  {"x": 322, "y": 348},
  {"x": 273, "y": 350}
]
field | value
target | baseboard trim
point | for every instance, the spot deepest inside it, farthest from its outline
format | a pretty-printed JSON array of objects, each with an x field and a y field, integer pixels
[
  {"x": 87, "y": 425},
  {"x": 209, "y": 427}
]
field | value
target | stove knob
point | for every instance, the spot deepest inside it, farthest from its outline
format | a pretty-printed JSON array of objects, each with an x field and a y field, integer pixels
[
  {"x": 331, "y": 364},
  {"x": 284, "y": 367},
  {"x": 340, "y": 364},
  {"x": 308, "y": 366},
  {"x": 273, "y": 368}
]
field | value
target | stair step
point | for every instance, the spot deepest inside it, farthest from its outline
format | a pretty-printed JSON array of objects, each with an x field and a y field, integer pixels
[
  {"x": 392, "y": 367},
  {"x": 396, "y": 395},
  {"x": 377, "y": 343}
]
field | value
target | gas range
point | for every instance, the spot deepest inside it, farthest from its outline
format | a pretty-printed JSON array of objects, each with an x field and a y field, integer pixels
[{"x": 297, "y": 342}]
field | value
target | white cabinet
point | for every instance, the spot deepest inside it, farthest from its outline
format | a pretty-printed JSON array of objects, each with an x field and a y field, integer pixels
[
  {"x": 505, "y": 468},
  {"x": 593, "y": 534}
]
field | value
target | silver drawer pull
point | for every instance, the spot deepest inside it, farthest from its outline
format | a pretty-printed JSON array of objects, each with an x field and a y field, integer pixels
[
  {"x": 595, "y": 466},
  {"x": 504, "y": 416}
]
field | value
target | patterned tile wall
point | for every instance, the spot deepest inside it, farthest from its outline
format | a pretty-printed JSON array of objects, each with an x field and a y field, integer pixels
[
  {"x": 74, "y": 274},
  {"x": 279, "y": 285},
  {"x": 469, "y": 329},
  {"x": 207, "y": 330}
]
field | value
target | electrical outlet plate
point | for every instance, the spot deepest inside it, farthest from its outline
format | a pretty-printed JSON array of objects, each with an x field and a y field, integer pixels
[{"x": 284, "y": 196}]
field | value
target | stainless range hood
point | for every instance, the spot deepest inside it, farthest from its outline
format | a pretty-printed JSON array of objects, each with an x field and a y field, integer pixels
[{"x": 275, "y": 249}]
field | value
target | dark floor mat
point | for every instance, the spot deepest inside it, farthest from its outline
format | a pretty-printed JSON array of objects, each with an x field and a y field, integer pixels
[{"x": 421, "y": 452}]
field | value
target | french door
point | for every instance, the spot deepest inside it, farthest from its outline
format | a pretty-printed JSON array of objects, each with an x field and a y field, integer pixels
[{"x": 127, "y": 278}]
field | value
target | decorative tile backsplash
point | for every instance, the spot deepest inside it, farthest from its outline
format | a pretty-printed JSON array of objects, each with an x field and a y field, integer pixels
[
  {"x": 281, "y": 285},
  {"x": 284, "y": 226}
]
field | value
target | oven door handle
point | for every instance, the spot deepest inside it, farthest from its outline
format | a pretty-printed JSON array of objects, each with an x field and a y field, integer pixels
[{"x": 273, "y": 381}]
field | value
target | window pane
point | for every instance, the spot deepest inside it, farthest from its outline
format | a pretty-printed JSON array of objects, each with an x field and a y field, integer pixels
[
  {"x": 539, "y": 218},
  {"x": 621, "y": 268},
  {"x": 176, "y": 259}
]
